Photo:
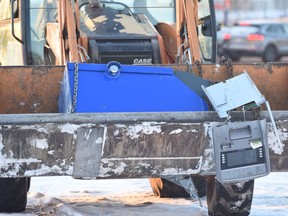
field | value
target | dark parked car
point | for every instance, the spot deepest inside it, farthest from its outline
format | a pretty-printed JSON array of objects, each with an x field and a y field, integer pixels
[
  {"x": 266, "y": 40},
  {"x": 221, "y": 34}
]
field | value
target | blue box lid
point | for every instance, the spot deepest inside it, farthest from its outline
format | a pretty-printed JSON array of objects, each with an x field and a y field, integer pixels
[{"x": 126, "y": 88}]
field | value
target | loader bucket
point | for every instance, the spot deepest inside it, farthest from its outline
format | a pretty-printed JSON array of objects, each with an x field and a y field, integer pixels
[{"x": 125, "y": 88}]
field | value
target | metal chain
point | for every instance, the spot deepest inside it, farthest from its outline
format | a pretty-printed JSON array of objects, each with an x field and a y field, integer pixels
[
  {"x": 75, "y": 87},
  {"x": 200, "y": 71},
  {"x": 199, "y": 68},
  {"x": 228, "y": 62}
]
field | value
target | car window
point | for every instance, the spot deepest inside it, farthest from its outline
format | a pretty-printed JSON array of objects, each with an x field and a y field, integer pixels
[
  {"x": 285, "y": 26},
  {"x": 275, "y": 29}
]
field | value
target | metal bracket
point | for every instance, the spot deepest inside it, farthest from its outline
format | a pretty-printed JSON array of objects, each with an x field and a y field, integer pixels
[
  {"x": 88, "y": 152},
  {"x": 188, "y": 184},
  {"x": 236, "y": 92},
  {"x": 233, "y": 93}
]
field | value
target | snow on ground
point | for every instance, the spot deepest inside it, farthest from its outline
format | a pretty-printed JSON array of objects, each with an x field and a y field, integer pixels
[{"x": 133, "y": 197}]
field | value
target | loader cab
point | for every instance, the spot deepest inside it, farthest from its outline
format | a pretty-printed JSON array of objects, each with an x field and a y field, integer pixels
[
  {"x": 22, "y": 30},
  {"x": 164, "y": 13},
  {"x": 23, "y": 25}
]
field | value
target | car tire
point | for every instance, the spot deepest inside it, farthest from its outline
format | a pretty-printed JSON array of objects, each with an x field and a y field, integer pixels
[
  {"x": 13, "y": 194},
  {"x": 166, "y": 189},
  {"x": 235, "y": 58},
  {"x": 270, "y": 54},
  {"x": 233, "y": 199}
]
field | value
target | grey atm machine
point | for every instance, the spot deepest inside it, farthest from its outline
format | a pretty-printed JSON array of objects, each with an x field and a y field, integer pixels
[{"x": 240, "y": 148}]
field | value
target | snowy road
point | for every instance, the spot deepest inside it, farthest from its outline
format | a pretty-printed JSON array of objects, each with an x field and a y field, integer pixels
[{"x": 133, "y": 197}]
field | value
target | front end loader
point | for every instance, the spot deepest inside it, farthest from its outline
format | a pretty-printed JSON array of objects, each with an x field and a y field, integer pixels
[{"x": 106, "y": 89}]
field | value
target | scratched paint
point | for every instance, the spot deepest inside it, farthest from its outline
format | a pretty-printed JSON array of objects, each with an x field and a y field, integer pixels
[
  {"x": 68, "y": 128},
  {"x": 111, "y": 168},
  {"x": 39, "y": 128},
  {"x": 173, "y": 171},
  {"x": 44, "y": 170},
  {"x": 145, "y": 128},
  {"x": 40, "y": 143},
  {"x": 177, "y": 131}
]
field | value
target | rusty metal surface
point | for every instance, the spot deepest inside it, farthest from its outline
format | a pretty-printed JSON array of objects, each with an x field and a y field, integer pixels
[
  {"x": 29, "y": 89},
  {"x": 270, "y": 79}
]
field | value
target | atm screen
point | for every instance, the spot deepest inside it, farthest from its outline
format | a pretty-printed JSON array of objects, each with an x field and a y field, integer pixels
[
  {"x": 244, "y": 157},
  {"x": 240, "y": 158}
]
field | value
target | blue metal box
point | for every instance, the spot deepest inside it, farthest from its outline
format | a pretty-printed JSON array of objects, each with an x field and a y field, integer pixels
[{"x": 125, "y": 88}]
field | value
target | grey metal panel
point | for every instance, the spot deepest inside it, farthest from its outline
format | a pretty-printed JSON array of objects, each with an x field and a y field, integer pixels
[
  {"x": 88, "y": 152},
  {"x": 99, "y": 118},
  {"x": 241, "y": 151},
  {"x": 235, "y": 92}
]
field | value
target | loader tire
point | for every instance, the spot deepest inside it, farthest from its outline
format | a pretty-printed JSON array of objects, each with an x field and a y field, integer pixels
[
  {"x": 233, "y": 199},
  {"x": 166, "y": 189},
  {"x": 13, "y": 194}
]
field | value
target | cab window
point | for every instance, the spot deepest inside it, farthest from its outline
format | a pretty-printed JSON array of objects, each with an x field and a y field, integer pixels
[
  {"x": 41, "y": 12},
  {"x": 156, "y": 10}
]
